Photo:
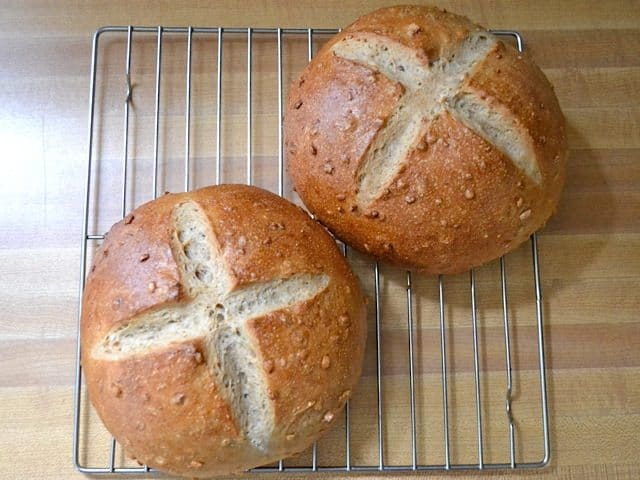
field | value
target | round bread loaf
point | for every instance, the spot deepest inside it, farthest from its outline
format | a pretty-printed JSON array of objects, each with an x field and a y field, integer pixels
[
  {"x": 422, "y": 139},
  {"x": 221, "y": 330}
]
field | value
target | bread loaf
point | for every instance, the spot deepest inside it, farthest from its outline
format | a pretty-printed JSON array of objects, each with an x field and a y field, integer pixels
[
  {"x": 221, "y": 329},
  {"x": 421, "y": 138}
]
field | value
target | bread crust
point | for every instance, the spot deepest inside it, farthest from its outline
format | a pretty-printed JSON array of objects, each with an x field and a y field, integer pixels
[
  {"x": 457, "y": 201},
  {"x": 164, "y": 406}
]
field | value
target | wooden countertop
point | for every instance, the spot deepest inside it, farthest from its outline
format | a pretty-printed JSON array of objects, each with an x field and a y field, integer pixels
[{"x": 590, "y": 251}]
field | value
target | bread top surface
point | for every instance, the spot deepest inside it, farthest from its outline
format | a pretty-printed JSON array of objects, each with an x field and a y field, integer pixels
[
  {"x": 418, "y": 137},
  {"x": 163, "y": 394}
]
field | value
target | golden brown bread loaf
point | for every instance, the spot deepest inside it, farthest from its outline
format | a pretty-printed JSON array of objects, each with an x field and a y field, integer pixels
[
  {"x": 221, "y": 329},
  {"x": 419, "y": 137}
]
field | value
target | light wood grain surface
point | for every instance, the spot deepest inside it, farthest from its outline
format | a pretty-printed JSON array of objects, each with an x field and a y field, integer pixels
[{"x": 590, "y": 251}]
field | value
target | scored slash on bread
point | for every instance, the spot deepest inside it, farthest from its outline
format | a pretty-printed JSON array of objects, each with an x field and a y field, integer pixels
[
  {"x": 421, "y": 138},
  {"x": 428, "y": 92},
  {"x": 216, "y": 314}
]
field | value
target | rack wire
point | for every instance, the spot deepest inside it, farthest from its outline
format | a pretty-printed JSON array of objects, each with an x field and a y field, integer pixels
[{"x": 444, "y": 367}]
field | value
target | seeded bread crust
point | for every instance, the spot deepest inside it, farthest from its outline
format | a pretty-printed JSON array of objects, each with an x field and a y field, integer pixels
[
  {"x": 454, "y": 200},
  {"x": 164, "y": 405}
]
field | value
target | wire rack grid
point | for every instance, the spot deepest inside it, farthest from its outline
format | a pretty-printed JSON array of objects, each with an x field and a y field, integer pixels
[{"x": 378, "y": 447}]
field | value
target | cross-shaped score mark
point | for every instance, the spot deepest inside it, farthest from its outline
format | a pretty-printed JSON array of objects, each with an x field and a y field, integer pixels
[
  {"x": 429, "y": 91},
  {"x": 215, "y": 312}
]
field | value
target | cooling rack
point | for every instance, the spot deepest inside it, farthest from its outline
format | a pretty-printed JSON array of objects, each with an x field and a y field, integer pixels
[{"x": 451, "y": 382}]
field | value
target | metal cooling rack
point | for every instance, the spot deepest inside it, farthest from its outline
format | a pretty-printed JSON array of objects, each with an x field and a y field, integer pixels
[{"x": 158, "y": 35}]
